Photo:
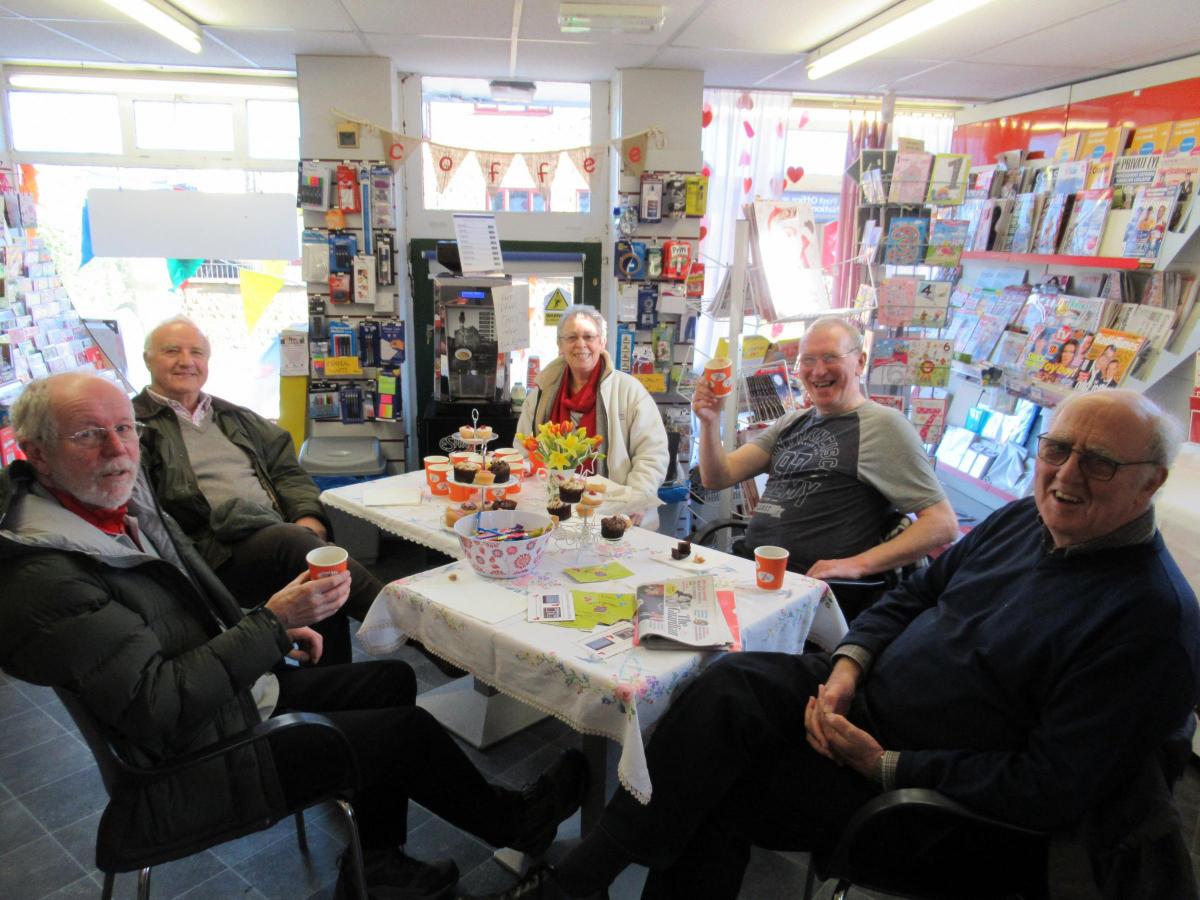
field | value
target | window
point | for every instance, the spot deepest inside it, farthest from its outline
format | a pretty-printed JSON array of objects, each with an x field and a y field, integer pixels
[
  {"x": 273, "y": 129},
  {"x": 65, "y": 123},
  {"x": 460, "y": 112},
  {"x": 173, "y": 125}
]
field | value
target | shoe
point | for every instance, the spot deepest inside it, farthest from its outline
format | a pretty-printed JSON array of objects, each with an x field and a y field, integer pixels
[
  {"x": 394, "y": 875},
  {"x": 538, "y": 884},
  {"x": 549, "y": 800}
]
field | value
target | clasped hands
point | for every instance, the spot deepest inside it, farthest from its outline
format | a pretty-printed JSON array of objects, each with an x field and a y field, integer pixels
[
  {"x": 831, "y": 734},
  {"x": 305, "y": 601}
]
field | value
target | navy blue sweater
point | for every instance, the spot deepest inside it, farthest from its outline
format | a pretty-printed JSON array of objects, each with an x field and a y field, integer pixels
[{"x": 1027, "y": 684}]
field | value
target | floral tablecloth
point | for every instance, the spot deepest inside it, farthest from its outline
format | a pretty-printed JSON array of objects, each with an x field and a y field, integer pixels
[{"x": 546, "y": 666}]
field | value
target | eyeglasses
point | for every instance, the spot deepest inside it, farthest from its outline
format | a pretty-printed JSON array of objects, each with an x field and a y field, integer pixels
[
  {"x": 1093, "y": 465},
  {"x": 92, "y": 438},
  {"x": 580, "y": 338},
  {"x": 828, "y": 358}
]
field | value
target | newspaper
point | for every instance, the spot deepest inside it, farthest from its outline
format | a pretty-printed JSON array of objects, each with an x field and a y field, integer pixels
[{"x": 681, "y": 613}]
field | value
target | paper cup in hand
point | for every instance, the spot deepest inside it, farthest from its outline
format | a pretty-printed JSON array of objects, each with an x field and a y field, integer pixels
[
  {"x": 326, "y": 560},
  {"x": 769, "y": 565},
  {"x": 718, "y": 372}
]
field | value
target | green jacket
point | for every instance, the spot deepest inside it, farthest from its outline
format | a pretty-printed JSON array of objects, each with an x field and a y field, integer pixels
[
  {"x": 268, "y": 447},
  {"x": 155, "y": 648}
]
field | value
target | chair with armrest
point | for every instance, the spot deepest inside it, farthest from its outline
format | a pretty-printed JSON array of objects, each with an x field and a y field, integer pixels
[{"x": 119, "y": 775}]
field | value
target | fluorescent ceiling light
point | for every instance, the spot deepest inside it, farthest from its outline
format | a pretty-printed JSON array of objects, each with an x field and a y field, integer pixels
[
  {"x": 574, "y": 18},
  {"x": 99, "y": 84},
  {"x": 162, "y": 17},
  {"x": 896, "y": 25}
]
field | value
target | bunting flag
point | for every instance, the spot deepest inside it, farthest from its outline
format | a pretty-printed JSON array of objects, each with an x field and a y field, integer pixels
[
  {"x": 446, "y": 161},
  {"x": 584, "y": 159},
  {"x": 494, "y": 166},
  {"x": 258, "y": 290},
  {"x": 180, "y": 270},
  {"x": 85, "y": 237},
  {"x": 542, "y": 167},
  {"x": 633, "y": 154}
]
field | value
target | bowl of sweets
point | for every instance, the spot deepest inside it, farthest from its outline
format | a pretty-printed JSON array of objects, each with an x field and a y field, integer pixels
[{"x": 504, "y": 543}]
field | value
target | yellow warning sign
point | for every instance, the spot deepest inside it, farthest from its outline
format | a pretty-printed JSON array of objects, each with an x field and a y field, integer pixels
[{"x": 555, "y": 304}]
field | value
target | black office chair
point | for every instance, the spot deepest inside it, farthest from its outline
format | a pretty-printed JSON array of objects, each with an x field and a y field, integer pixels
[{"x": 118, "y": 775}]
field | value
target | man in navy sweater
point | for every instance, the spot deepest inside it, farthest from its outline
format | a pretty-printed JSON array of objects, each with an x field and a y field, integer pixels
[{"x": 1029, "y": 673}]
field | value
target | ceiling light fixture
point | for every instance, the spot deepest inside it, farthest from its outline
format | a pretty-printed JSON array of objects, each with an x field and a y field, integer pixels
[
  {"x": 575, "y": 18},
  {"x": 101, "y": 84},
  {"x": 162, "y": 17},
  {"x": 896, "y": 25}
]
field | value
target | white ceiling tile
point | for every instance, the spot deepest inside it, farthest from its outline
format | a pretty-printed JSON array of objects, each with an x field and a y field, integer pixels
[
  {"x": 990, "y": 80},
  {"x": 871, "y": 75},
  {"x": 278, "y": 49},
  {"x": 1149, "y": 56},
  {"x": 22, "y": 39},
  {"x": 476, "y": 57},
  {"x": 301, "y": 15},
  {"x": 62, "y": 9},
  {"x": 775, "y": 26},
  {"x": 445, "y": 18},
  {"x": 724, "y": 68},
  {"x": 586, "y": 62},
  {"x": 133, "y": 43},
  {"x": 539, "y": 21}
]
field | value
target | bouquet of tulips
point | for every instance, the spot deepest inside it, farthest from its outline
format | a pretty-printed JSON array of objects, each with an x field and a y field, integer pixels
[{"x": 562, "y": 446}]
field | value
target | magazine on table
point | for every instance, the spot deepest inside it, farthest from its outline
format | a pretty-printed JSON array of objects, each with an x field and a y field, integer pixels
[{"x": 682, "y": 613}]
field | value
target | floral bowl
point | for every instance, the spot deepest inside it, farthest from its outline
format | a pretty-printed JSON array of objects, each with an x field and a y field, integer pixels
[{"x": 504, "y": 558}]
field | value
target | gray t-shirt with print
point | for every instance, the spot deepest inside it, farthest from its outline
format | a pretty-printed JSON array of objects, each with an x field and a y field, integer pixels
[{"x": 835, "y": 481}]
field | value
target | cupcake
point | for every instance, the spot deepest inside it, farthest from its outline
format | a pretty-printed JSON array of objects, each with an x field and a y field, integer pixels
[
  {"x": 482, "y": 476},
  {"x": 465, "y": 472},
  {"x": 500, "y": 469},
  {"x": 598, "y": 485},
  {"x": 483, "y": 433},
  {"x": 584, "y": 512},
  {"x": 560, "y": 509},
  {"x": 612, "y": 528},
  {"x": 454, "y": 513},
  {"x": 467, "y": 433},
  {"x": 503, "y": 503},
  {"x": 591, "y": 498},
  {"x": 571, "y": 490}
]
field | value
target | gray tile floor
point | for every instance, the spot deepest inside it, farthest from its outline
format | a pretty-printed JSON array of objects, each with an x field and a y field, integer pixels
[{"x": 51, "y": 798}]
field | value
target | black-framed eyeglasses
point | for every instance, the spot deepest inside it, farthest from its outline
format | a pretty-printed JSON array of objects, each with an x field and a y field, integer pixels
[
  {"x": 91, "y": 438},
  {"x": 1093, "y": 465},
  {"x": 828, "y": 358}
]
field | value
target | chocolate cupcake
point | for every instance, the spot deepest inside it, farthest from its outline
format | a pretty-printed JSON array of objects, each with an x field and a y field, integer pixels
[
  {"x": 612, "y": 528},
  {"x": 571, "y": 490},
  {"x": 682, "y": 551},
  {"x": 503, "y": 503},
  {"x": 465, "y": 472},
  {"x": 500, "y": 469},
  {"x": 560, "y": 509}
]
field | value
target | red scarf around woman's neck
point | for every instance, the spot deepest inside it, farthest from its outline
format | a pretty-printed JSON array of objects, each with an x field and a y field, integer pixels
[{"x": 583, "y": 401}]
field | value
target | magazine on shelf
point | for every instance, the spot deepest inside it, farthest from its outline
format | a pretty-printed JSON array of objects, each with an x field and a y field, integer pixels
[
  {"x": 980, "y": 181},
  {"x": 1185, "y": 135},
  {"x": 1130, "y": 173},
  {"x": 1049, "y": 227},
  {"x": 1068, "y": 147},
  {"x": 1150, "y": 139},
  {"x": 1152, "y": 210},
  {"x": 1071, "y": 177},
  {"x": 910, "y": 177},
  {"x": 1027, "y": 209},
  {"x": 1182, "y": 169},
  {"x": 946, "y": 239},
  {"x": 1100, "y": 172},
  {"x": 681, "y": 613},
  {"x": 1102, "y": 141},
  {"x": 1109, "y": 359},
  {"x": 1085, "y": 226}
]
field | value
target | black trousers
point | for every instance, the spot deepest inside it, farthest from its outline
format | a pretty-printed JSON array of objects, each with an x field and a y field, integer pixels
[
  {"x": 402, "y": 752},
  {"x": 731, "y": 768},
  {"x": 265, "y": 561}
]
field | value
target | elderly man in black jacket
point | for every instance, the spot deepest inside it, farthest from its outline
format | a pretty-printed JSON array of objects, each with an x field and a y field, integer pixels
[{"x": 104, "y": 597}]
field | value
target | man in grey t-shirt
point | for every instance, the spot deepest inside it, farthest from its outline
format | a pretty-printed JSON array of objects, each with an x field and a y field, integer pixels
[{"x": 838, "y": 471}]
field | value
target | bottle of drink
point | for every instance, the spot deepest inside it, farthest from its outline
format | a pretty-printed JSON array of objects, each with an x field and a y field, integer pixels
[
  {"x": 532, "y": 371},
  {"x": 518, "y": 395}
]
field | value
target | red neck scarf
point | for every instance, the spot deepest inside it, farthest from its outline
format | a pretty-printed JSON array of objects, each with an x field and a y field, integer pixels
[
  {"x": 110, "y": 521},
  {"x": 583, "y": 401}
]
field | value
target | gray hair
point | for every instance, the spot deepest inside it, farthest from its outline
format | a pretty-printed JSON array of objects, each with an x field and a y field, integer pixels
[
  {"x": 588, "y": 312},
  {"x": 1165, "y": 437},
  {"x": 166, "y": 323},
  {"x": 844, "y": 325},
  {"x": 33, "y": 413}
]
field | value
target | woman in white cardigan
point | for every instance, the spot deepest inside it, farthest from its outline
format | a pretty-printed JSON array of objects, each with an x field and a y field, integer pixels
[{"x": 583, "y": 385}]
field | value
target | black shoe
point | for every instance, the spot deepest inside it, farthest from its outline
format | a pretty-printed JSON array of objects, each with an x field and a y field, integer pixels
[
  {"x": 393, "y": 875},
  {"x": 549, "y": 800},
  {"x": 538, "y": 884}
]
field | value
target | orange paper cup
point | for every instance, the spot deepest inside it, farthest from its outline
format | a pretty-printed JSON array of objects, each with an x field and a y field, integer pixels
[
  {"x": 438, "y": 475},
  {"x": 461, "y": 492},
  {"x": 460, "y": 456},
  {"x": 326, "y": 560},
  {"x": 769, "y": 565},
  {"x": 718, "y": 372},
  {"x": 435, "y": 461}
]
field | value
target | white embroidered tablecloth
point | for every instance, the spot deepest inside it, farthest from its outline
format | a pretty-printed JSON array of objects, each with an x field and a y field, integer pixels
[{"x": 545, "y": 666}]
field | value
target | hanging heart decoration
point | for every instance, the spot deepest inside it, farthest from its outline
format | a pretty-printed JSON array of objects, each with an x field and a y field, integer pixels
[
  {"x": 749, "y": 128},
  {"x": 795, "y": 173},
  {"x": 744, "y": 159},
  {"x": 803, "y": 120},
  {"x": 779, "y": 128},
  {"x": 703, "y": 232},
  {"x": 706, "y": 116},
  {"x": 745, "y": 101},
  {"x": 746, "y": 183},
  {"x": 706, "y": 171}
]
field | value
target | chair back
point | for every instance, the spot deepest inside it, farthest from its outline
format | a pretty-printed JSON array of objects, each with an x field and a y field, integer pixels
[{"x": 114, "y": 771}]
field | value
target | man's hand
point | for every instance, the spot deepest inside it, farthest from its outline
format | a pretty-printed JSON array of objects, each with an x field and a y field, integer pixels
[
  {"x": 636, "y": 518},
  {"x": 313, "y": 524},
  {"x": 310, "y": 644},
  {"x": 851, "y": 745},
  {"x": 850, "y": 567},
  {"x": 705, "y": 404},
  {"x": 834, "y": 697},
  {"x": 305, "y": 601}
]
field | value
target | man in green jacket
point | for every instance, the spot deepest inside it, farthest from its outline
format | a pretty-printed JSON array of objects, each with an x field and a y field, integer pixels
[{"x": 232, "y": 481}]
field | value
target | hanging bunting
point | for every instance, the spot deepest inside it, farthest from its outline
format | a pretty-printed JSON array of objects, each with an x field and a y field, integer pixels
[
  {"x": 85, "y": 237},
  {"x": 494, "y": 166},
  {"x": 633, "y": 154},
  {"x": 542, "y": 168},
  {"x": 446, "y": 161},
  {"x": 584, "y": 159},
  {"x": 180, "y": 270},
  {"x": 399, "y": 146},
  {"x": 258, "y": 290}
]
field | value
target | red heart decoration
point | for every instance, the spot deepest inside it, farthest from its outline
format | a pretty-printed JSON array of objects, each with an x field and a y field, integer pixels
[
  {"x": 706, "y": 171},
  {"x": 745, "y": 101},
  {"x": 744, "y": 159},
  {"x": 706, "y": 116},
  {"x": 795, "y": 173},
  {"x": 703, "y": 232},
  {"x": 803, "y": 120},
  {"x": 779, "y": 129},
  {"x": 749, "y": 129},
  {"x": 746, "y": 182}
]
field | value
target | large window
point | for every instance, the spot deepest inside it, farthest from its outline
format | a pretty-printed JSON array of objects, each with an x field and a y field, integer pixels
[{"x": 461, "y": 112}]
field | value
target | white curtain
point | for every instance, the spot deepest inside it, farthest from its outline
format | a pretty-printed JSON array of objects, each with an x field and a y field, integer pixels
[
  {"x": 935, "y": 129},
  {"x": 743, "y": 144}
]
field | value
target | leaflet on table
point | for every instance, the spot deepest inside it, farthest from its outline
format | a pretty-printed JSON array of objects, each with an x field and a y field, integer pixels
[
  {"x": 556, "y": 607},
  {"x": 611, "y": 641},
  {"x": 681, "y": 612}
]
